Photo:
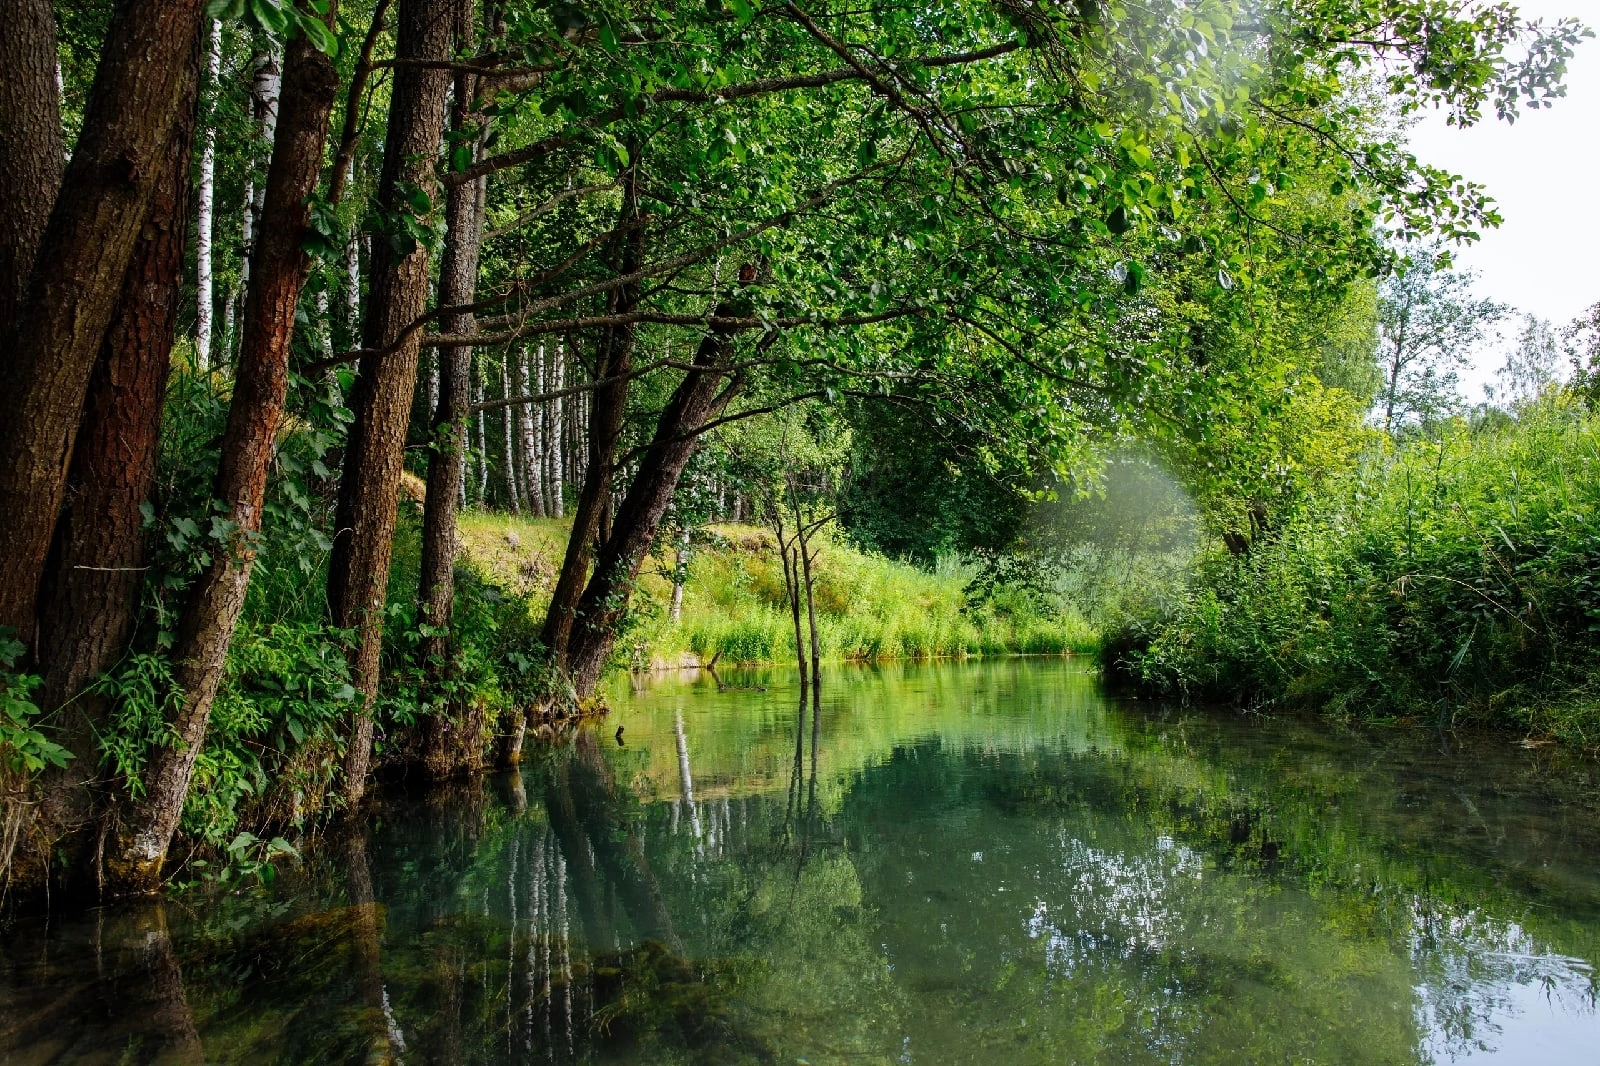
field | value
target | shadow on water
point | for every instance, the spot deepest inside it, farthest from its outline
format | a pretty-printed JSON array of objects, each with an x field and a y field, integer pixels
[{"x": 939, "y": 864}]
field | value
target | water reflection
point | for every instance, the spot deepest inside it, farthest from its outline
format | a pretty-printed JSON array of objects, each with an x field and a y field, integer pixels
[{"x": 923, "y": 865}]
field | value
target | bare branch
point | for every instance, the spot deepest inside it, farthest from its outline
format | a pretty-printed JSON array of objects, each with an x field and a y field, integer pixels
[{"x": 351, "y": 132}]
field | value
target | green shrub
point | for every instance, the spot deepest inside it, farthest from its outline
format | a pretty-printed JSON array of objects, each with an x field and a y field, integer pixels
[{"x": 1449, "y": 579}]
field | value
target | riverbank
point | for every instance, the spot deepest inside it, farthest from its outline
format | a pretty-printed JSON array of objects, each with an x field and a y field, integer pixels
[
  {"x": 1447, "y": 580},
  {"x": 869, "y": 608}
]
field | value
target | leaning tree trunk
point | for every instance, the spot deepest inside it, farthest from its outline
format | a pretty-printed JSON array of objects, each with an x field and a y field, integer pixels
[
  {"x": 255, "y": 414},
  {"x": 458, "y": 285},
  {"x": 696, "y": 400},
  {"x": 31, "y": 151},
  {"x": 90, "y": 595},
  {"x": 369, "y": 489},
  {"x": 607, "y": 405},
  {"x": 53, "y": 338}
]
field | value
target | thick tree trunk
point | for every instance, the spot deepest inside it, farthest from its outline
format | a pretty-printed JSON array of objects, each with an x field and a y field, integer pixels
[
  {"x": 205, "y": 213},
  {"x": 53, "y": 339},
  {"x": 369, "y": 490},
  {"x": 31, "y": 153},
  {"x": 607, "y": 406},
  {"x": 697, "y": 399},
  {"x": 458, "y": 284},
  {"x": 90, "y": 596},
  {"x": 248, "y": 444}
]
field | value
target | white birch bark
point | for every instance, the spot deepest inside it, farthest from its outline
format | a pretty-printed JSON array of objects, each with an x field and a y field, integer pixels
[
  {"x": 558, "y": 436},
  {"x": 511, "y": 440},
  {"x": 483, "y": 433},
  {"x": 680, "y": 571},
  {"x": 206, "y": 211},
  {"x": 530, "y": 432},
  {"x": 266, "y": 81}
]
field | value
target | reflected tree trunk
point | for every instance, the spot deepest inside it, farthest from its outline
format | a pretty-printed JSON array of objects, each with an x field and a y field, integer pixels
[{"x": 381, "y": 1032}]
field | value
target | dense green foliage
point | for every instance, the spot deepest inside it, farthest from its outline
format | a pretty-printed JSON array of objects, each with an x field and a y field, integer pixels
[
  {"x": 1451, "y": 578},
  {"x": 897, "y": 280}
]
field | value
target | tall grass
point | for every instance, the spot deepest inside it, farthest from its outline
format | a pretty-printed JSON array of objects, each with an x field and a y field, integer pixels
[
  {"x": 1448, "y": 579},
  {"x": 868, "y": 607}
]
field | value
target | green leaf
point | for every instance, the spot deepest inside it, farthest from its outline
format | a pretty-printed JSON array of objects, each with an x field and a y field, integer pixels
[
  {"x": 1117, "y": 221},
  {"x": 321, "y": 38}
]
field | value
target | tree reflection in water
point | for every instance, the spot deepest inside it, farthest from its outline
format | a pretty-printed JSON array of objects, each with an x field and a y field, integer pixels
[{"x": 934, "y": 865}]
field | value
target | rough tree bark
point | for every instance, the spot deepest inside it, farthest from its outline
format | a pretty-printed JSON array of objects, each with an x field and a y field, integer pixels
[
  {"x": 31, "y": 151},
  {"x": 369, "y": 489},
  {"x": 697, "y": 399},
  {"x": 458, "y": 285},
  {"x": 53, "y": 338},
  {"x": 607, "y": 406},
  {"x": 260, "y": 385},
  {"x": 90, "y": 594}
]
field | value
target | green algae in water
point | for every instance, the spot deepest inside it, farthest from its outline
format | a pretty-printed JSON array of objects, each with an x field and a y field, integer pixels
[{"x": 984, "y": 863}]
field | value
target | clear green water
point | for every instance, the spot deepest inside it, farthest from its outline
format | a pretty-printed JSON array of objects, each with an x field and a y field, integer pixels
[{"x": 951, "y": 864}]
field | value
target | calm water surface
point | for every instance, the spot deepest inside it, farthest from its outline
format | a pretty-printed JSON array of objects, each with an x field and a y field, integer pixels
[{"x": 949, "y": 864}]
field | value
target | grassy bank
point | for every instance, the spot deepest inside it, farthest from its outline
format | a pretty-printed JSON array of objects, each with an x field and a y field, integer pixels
[
  {"x": 868, "y": 607},
  {"x": 1446, "y": 580}
]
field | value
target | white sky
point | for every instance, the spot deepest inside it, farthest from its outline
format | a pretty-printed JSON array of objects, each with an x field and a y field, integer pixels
[{"x": 1544, "y": 173}]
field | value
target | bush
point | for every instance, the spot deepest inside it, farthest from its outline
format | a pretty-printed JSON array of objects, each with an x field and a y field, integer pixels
[{"x": 1448, "y": 579}]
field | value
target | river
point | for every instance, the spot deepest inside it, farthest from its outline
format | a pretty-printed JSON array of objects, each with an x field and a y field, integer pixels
[{"x": 945, "y": 863}]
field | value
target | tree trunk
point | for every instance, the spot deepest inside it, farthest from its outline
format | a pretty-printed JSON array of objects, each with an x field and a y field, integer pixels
[
  {"x": 31, "y": 152},
  {"x": 458, "y": 284},
  {"x": 680, "y": 574},
  {"x": 90, "y": 596},
  {"x": 266, "y": 84},
  {"x": 530, "y": 436},
  {"x": 555, "y": 435},
  {"x": 695, "y": 401},
  {"x": 607, "y": 406},
  {"x": 206, "y": 211},
  {"x": 509, "y": 417},
  {"x": 811, "y": 601},
  {"x": 54, "y": 336},
  {"x": 248, "y": 444},
  {"x": 483, "y": 437},
  {"x": 369, "y": 489}
]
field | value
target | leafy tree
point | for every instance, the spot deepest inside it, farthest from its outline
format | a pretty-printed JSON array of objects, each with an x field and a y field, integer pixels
[
  {"x": 1531, "y": 367},
  {"x": 1430, "y": 324}
]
